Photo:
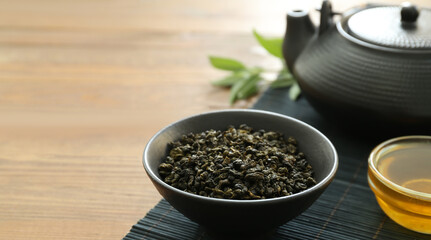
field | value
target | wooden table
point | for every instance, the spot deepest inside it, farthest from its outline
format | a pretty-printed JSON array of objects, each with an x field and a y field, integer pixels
[{"x": 85, "y": 84}]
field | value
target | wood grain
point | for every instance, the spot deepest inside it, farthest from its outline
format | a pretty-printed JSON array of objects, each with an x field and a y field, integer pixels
[{"x": 85, "y": 84}]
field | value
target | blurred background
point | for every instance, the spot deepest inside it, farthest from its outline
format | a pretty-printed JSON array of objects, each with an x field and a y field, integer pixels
[{"x": 85, "y": 84}]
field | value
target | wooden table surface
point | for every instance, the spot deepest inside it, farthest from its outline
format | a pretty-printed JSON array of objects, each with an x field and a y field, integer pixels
[{"x": 85, "y": 84}]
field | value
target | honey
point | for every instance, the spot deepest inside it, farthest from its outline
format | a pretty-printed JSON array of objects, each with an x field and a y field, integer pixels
[{"x": 400, "y": 176}]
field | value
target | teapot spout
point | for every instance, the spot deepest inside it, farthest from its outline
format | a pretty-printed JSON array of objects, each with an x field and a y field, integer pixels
[{"x": 299, "y": 31}]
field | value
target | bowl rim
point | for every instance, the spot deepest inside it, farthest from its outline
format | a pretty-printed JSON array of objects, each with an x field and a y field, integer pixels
[
  {"x": 380, "y": 177},
  {"x": 325, "y": 181}
]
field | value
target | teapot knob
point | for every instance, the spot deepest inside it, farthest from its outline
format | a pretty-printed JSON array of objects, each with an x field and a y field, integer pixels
[
  {"x": 409, "y": 13},
  {"x": 325, "y": 16}
]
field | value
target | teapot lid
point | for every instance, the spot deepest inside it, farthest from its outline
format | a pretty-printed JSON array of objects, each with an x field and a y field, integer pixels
[{"x": 401, "y": 27}]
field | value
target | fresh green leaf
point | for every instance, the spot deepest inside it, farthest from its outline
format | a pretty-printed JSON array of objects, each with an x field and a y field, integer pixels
[
  {"x": 241, "y": 87},
  {"x": 236, "y": 76},
  {"x": 272, "y": 45},
  {"x": 249, "y": 92},
  {"x": 226, "y": 63},
  {"x": 255, "y": 70},
  {"x": 282, "y": 83},
  {"x": 249, "y": 89},
  {"x": 231, "y": 79},
  {"x": 234, "y": 90},
  {"x": 284, "y": 79},
  {"x": 244, "y": 81},
  {"x": 294, "y": 91}
]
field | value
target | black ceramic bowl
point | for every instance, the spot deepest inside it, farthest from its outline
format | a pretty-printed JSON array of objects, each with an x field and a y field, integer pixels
[{"x": 243, "y": 216}]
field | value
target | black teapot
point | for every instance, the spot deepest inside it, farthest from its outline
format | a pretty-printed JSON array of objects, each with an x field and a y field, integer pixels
[{"x": 371, "y": 66}]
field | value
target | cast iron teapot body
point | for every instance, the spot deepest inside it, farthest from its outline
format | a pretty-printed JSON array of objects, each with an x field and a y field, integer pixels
[{"x": 372, "y": 66}]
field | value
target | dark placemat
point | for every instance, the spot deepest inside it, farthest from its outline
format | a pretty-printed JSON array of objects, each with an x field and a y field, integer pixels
[{"x": 346, "y": 210}]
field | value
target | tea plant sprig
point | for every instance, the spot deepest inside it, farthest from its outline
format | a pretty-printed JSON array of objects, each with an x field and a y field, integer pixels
[{"x": 244, "y": 81}]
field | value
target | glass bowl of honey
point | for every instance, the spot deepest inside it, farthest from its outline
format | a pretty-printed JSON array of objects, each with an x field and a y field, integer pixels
[{"x": 399, "y": 174}]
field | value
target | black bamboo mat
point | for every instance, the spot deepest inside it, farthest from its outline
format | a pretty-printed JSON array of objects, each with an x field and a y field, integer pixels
[{"x": 346, "y": 210}]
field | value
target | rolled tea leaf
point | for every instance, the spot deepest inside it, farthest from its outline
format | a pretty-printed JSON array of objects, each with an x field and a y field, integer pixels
[
  {"x": 272, "y": 45},
  {"x": 226, "y": 63},
  {"x": 229, "y": 164}
]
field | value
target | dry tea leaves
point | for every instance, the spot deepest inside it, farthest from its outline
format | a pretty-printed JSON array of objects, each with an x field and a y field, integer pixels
[{"x": 238, "y": 163}]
